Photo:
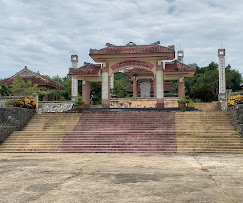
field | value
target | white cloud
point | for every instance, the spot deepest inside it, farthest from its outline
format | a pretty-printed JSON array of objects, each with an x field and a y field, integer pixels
[{"x": 43, "y": 34}]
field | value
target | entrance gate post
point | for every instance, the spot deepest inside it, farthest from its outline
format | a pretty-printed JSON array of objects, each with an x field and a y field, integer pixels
[
  {"x": 159, "y": 85},
  {"x": 105, "y": 86},
  {"x": 181, "y": 88},
  {"x": 154, "y": 86},
  {"x": 86, "y": 94},
  {"x": 135, "y": 87}
]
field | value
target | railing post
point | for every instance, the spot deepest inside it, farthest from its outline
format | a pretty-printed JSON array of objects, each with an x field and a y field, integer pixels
[{"x": 35, "y": 98}]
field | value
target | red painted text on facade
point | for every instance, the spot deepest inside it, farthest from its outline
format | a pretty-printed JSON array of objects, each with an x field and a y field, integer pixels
[{"x": 132, "y": 64}]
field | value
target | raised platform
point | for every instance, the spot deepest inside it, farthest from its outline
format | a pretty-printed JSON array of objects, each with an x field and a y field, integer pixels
[
  {"x": 139, "y": 102},
  {"x": 134, "y": 109}
]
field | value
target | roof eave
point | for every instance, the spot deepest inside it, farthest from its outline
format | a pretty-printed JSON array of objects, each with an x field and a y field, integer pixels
[{"x": 99, "y": 58}]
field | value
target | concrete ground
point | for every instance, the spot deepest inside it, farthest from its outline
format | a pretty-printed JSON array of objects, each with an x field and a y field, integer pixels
[{"x": 121, "y": 178}]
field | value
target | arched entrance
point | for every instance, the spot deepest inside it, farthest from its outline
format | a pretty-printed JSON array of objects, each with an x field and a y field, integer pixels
[
  {"x": 146, "y": 57},
  {"x": 154, "y": 67}
]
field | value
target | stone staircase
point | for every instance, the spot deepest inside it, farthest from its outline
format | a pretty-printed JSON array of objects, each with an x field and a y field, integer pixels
[
  {"x": 43, "y": 133},
  {"x": 206, "y": 131},
  {"x": 122, "y": 132},
  {"x": 127, "y": 131}
]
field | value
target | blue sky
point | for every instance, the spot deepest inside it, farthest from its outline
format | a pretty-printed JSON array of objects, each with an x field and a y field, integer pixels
[{"x": 43, "y": 34}]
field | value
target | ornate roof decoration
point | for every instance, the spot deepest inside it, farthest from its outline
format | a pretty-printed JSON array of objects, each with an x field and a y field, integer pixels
[
  {"x": 109, "y": 45},
  {"x": 130, "y": 44},
  {"x": 132, "y": 48}
]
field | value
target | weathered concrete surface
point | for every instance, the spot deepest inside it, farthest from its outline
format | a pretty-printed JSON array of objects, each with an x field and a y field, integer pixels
[{"x": 121, "y": 178}]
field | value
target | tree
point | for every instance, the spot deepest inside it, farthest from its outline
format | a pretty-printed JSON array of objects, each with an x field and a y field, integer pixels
[
  {"x": 121, "y": 81},
  {"x": 62, "y": 94},
  {"x": 20, "y": 87},
  {"x": 95, "y": 89},
  {"x": 204, "y": 84},
  {"x": 5, "y": 90}
]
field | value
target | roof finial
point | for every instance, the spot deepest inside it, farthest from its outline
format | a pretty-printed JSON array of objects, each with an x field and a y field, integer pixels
[{"x": 131, "y": 44}]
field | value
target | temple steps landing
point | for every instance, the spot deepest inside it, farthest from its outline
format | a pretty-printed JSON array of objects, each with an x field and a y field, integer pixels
[{"x": 127, "y": 132}]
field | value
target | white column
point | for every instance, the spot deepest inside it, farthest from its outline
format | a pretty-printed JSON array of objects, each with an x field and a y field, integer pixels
[
  {"x": 222, "y": 82},
  {"x": 105, "y": 83},
  {"x": 112, "y": 81},
  {"x": 159, "y": 85},
  {"x": 222, "y": 97},
  {"x": 74, "y": 89},
  {"x": 105, "y": 86}
]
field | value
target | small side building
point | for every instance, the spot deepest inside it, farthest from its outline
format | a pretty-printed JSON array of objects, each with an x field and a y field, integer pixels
[{"x": 44, "y": 83}]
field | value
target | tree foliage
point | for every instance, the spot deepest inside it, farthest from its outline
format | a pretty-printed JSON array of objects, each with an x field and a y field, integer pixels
[
  {"x": 95, "y": 89},
  {"x": 204, "y": 84},
  {"x": 5, "y": 90},
  {"x": 20, "y": 87},
  {"x": 62, "y": 94},
  {"x": 121, "y": 81}
]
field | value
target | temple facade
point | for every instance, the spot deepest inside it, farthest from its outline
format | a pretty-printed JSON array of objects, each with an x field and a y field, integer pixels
[
  {"x": 43, "y": 83},
  {"x": 150, "y": 68}
]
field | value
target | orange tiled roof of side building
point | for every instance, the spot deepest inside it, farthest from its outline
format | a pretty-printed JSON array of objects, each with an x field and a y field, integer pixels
[
  {"x": 177, "y": 66},
  {"x": 88, "y": 69},
  {"x": 35, "y": 78}
]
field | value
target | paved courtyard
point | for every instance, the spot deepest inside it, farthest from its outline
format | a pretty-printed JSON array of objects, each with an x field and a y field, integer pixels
[{"x": 121, "y": 178}]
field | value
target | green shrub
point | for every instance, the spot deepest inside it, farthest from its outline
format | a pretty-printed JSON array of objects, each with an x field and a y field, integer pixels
[
  {"x": 79, "y": 101},
  {"x": 183, "y": 101}
]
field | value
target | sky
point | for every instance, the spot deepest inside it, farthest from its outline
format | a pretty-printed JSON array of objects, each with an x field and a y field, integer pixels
[{"x": 42, "y": 35}]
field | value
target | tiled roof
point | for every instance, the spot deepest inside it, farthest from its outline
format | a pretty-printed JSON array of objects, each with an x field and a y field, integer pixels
[
  {"x": 176, "y": 66},
  {"x": 131, "y": 48},
  {"x": 92, "y": 69},
  {"x": 38, "y": 81},
  {"x": 35, "y": 78}
]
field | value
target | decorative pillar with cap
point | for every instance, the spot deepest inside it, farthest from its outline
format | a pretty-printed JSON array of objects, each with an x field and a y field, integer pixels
[
  {"x": 159, "y": 85},
  {"x": 180, "y": 56},
  {"x": 105, "y": 86},
  {"x": 74, "y": 92},
  {"x": 222, "y": 97},
  {"x": 181, "y": 88}
]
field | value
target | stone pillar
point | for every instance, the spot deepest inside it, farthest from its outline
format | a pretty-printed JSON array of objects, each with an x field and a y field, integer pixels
[
  {"x": 222, "y": 83},
  {"x": 36, "y": 99},
  {"x": 159, "y": 85},
  {"x": 181, "y": 88},
  {"x": 112, "y": 81},
  {"x": 222, "y": 97},
  {"x": 105, "y": 86},
  {"x": 74, "y": 93},
  {"x": 180, "y": 56},
  {"x": 74, "y": 89},
  {"x": 86, "y": 94},
  {"x": 135, "y": 87},
  {"x": 154, "y": 86}
]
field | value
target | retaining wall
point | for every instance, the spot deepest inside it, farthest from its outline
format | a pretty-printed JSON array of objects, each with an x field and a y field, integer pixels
[
  {"x": 13, "y": 118},
  {"x": 236, "y": 113},
  {"x": 52, "y": 107}
]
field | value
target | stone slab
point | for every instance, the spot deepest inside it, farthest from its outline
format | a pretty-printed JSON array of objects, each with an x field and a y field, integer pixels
[{"x": 124, "y": 178}]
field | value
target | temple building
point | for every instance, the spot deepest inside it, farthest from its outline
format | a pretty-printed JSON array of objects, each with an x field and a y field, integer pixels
[
  {"x": 151, "y": 69},
  {"x": 43, "y": 82}
]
